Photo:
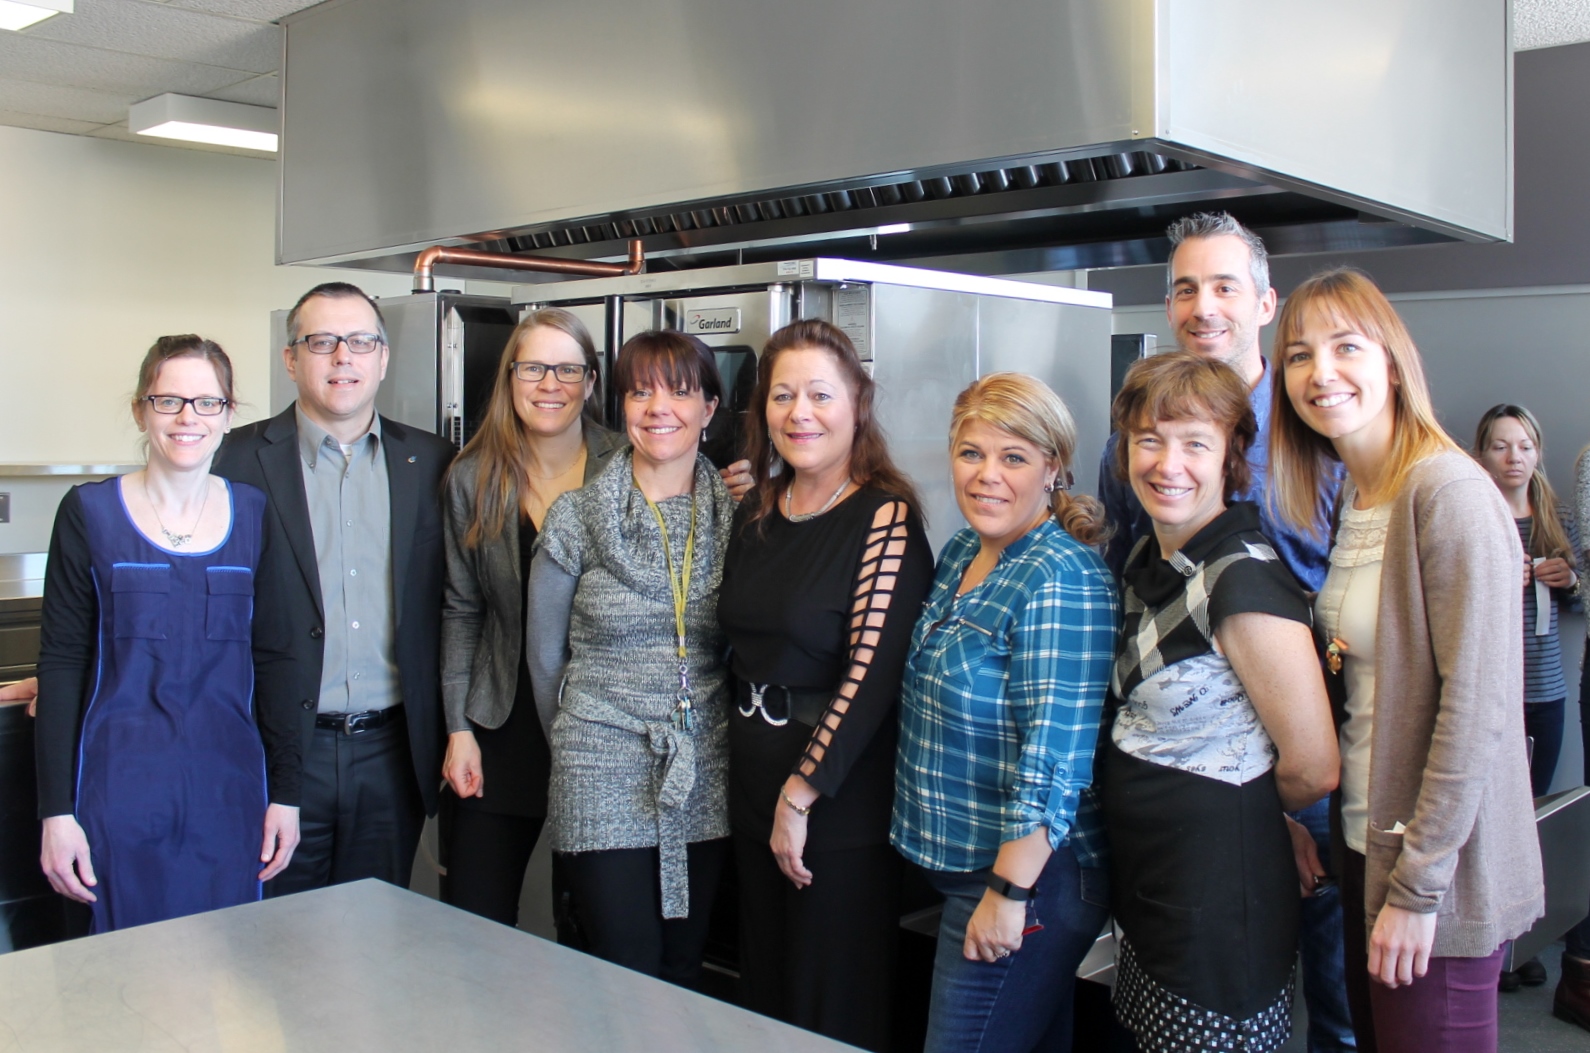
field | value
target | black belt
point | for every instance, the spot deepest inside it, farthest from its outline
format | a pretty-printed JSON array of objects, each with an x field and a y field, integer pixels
[
  {"x": 357, "y": 723},
  {"x": 778, "y": 704}
]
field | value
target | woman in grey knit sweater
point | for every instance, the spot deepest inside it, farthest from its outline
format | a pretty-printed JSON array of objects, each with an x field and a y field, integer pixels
[{"x": 626, "y": 658}]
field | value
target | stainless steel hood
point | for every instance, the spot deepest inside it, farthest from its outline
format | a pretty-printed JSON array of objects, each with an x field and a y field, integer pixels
[{"x": 1025, "y": 134}]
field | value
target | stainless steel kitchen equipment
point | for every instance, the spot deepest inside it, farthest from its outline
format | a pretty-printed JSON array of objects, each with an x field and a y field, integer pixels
[
  {"x": 1064, "y": 131},
  {"x": 444, "y": 352},
  {"x": 926, "y": 334}
]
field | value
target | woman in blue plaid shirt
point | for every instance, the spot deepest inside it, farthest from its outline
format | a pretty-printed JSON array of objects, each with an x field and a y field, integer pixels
[{"x": 1000, "y": 713}]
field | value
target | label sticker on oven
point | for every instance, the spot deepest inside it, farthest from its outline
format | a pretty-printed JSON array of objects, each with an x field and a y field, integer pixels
[
  {"x": 708, "y": 321},
  {"x": 853, "y": 314},
  {"x": 796, "y": 268}
]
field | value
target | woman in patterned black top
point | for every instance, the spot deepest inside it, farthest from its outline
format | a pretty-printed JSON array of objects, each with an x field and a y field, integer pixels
[
  {"x": 1223, "y": 722},
  {"x": 826, "y": 572}
]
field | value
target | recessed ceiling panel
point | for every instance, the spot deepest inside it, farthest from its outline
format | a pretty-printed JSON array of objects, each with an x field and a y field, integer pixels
[
  {"x": 51, "y": 62},
  {"x": 159, "y": 31}
]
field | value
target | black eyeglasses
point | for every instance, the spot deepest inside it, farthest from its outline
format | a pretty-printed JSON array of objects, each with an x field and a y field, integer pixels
[
  {"x": 326, "y": 343},
  {"x": 568, "y": 372},
  {"x": 171, "y": 405}
]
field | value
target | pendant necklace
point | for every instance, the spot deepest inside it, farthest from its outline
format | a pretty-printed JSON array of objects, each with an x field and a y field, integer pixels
[
  {"x": 804, "y": 516},
  {"x": 176, "y": 540},
  {"x": 683, "y": 716}
]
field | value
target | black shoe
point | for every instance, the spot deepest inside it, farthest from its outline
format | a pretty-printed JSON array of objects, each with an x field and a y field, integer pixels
[
  {"x": 1532, "y": 973},
  {"x": 1509, "y": 981}
]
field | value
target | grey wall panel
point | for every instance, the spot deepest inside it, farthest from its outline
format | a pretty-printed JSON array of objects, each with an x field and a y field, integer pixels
[
  {"x": 925, "y": 353},
  {"x": 1067, "y": 348}
]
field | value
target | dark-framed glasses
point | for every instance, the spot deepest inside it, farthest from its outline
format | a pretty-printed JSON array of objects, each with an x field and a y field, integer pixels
[
  {"x": 568, "y": 372},
  {"x": 171, "y": 405},
  {"x": 326, "y": 343}
]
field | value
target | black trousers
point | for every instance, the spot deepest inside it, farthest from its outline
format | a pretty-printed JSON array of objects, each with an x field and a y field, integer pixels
[
  {"x": 821, "y": 957},
  {"x": 361, "y": 814},
  {"x": 485, "y": 855},
  {"x": 618, "y": 900}
]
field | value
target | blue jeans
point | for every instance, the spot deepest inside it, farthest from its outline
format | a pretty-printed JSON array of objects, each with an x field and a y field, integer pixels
[
  {"x": 1022, "y": 1002},
  {"x": 1330, "y": 1023}
]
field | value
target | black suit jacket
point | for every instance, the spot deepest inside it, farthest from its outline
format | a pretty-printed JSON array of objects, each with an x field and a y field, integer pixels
[{"x": 289, "y": 618}]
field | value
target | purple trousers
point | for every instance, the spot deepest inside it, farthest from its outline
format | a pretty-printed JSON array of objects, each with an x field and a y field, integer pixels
[{"x": 1450, "y": 1009}]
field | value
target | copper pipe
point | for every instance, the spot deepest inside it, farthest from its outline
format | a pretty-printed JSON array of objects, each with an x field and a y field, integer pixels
[{"x": 430, "y": 257}]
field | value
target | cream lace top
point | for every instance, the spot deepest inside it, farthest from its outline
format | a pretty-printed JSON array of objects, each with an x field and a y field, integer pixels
[{"x": 1348, "y": 611}]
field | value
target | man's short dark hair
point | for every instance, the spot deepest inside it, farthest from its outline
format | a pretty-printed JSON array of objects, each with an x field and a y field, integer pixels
[
  {"x": 334, "y": 291},
  {"x": 1214, "y": 225}
]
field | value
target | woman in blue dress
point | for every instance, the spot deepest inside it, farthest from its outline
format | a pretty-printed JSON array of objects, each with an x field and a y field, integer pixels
[{"x": 152, "y": 770}]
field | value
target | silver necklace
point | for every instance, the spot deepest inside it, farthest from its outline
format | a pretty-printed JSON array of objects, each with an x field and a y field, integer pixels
[
  {"x": 176, "y": 540},
  {"x": 804, "y": 516}
]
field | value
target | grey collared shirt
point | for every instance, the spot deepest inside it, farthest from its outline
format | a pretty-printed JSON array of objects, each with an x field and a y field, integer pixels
[{"x": 350, "y": 511}]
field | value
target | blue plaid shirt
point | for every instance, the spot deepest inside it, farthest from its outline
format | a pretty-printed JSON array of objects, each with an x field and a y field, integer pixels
[{"x": 1002, "y": 701}]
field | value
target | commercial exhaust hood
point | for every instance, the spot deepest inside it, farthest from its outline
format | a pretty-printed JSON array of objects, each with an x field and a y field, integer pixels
[{"x": 1016, "y": 135}]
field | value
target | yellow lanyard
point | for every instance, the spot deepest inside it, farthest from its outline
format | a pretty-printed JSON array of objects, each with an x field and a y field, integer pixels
[{"x": 679, "y": 585}]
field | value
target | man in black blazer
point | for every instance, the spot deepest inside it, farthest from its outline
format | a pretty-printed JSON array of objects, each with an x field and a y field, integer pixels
[{"x": 347, "y": 620}]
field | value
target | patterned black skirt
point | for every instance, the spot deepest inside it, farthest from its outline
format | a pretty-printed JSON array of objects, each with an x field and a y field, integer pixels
[{"x": 1205, "y": 892}]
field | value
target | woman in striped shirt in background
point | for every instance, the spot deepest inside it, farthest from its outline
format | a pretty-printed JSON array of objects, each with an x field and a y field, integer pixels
[{"x": 1000, "y": 712}]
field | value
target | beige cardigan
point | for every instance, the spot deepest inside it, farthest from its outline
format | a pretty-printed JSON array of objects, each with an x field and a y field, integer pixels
[{"x": 1447, "y": 756}]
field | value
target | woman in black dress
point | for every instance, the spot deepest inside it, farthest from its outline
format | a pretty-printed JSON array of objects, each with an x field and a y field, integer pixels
[
  {"x": 826, "y": 572},
  {"x": 540, "y": 437}
]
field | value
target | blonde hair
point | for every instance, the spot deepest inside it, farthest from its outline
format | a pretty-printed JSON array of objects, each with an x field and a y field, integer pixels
[
  {"x": 1301, "y": 458},
  {"x": 1027, "y": 408},
  {"x": 1547, "y": 537}
]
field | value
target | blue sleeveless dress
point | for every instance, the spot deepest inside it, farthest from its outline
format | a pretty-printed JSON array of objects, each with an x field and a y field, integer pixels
[{"x": 171, "y": 770}]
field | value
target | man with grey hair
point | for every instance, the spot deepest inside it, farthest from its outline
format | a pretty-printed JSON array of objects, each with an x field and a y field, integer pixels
[{"x": 1217, "y": 298}]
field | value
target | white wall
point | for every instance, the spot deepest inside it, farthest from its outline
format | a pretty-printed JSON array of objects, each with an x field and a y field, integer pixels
[
  {"x": 108, "y": 245},
  {"x": 1480, "y": 347}
]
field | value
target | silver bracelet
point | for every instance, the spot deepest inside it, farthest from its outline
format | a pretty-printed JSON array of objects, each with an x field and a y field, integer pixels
[{"x": 798, "y": 809}]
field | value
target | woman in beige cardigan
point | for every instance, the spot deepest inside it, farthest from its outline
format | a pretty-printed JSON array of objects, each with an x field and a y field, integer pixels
[{"x": 1421, "y": 622}]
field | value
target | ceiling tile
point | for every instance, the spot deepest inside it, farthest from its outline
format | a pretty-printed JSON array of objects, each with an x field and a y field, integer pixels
[
  {"x": 119, "y": 132},
  {"x": 1544, "y": 23},
  {"x": 45, "y": 124},
  {"x": 256, "y": 91},
  {"x": 57, "y": 100},
  {"x": 260, "y": 10},
  {"x": 25, "y": 57},
  {"x": 159, "y": 31}
]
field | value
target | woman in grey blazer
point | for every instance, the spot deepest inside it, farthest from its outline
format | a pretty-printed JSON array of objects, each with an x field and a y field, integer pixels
[{"x": 540, "y": 437}]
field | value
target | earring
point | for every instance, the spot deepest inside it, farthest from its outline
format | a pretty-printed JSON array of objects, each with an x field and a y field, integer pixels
[{"x": 1048, "y": 487}]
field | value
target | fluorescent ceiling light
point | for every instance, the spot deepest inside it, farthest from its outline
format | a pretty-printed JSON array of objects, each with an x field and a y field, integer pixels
[
  {"x": 205, "y": 121},
  {"x": 17, "y": 15}
]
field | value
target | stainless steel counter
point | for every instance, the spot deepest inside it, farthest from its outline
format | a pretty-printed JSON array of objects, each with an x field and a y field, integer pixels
[{"x": 356, "y": 967}]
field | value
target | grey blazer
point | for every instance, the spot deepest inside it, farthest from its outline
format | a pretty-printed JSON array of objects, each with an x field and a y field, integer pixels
[{"x": 482, "y": 601}]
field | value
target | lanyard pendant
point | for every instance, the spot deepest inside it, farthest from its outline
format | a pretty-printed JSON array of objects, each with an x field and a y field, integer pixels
[{"x": 684, "y": 712}]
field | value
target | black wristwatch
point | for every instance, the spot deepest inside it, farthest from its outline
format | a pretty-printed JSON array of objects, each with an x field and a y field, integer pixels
[{"x": 1010, "y": 890}]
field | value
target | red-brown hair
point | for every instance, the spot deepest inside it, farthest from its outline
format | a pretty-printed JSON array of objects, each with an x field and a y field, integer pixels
[{"x": 870, "y": 463}]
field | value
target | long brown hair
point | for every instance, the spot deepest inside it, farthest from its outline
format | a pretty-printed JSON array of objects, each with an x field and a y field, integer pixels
[
  {"x": 1028, "y": 409},
  {"x": 501, "y": 448},
  {"x": 870, "y": 463},
  {"x": 1547, "y": 537},
  {"x": 1301, "y": 458}
]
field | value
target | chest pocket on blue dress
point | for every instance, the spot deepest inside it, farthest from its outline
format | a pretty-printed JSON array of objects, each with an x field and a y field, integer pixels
[
  {"x": 140, "y": 594},
  {"x": 230, "y": 607}
]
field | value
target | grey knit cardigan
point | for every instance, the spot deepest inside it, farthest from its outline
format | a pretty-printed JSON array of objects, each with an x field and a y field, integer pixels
[{"x": 624, "y": 775}]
